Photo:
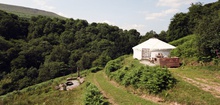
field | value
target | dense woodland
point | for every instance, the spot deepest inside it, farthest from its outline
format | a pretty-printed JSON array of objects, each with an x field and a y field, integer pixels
[
  {"x": 36, "y": 49},
  {"x": 204, "y": 22},
  {"x": 41, "y": 48}
]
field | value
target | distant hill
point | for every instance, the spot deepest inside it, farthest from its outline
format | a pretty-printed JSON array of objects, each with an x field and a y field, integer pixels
[{"x": 27, "y": 12}]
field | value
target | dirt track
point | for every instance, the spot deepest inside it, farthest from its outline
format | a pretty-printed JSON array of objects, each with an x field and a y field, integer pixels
[{"x": 212, "y": 87}]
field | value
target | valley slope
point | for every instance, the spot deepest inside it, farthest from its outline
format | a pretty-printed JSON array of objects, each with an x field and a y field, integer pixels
[{"x": 27, "y": 12}]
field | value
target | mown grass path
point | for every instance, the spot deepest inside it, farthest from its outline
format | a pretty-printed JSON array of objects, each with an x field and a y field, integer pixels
[{"x": 117, "y": 95}]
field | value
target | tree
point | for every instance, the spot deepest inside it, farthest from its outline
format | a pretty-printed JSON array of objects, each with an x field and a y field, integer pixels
[
  {"x": 81, "y": 24},
  {"x": 162, "y": 35},
  {"x": 74, "y": 57},
  {"x": 86, "y": 60},
  {"x": 11, "y": 26},
  {"x": 51, "y": 70},
  {"x": 178, "y": 27},
  {"x": 148, "y": 35},
  {"x": 67, "y": 37},
  {"x": 18, "y": 62},
  {"x": 196, "y": 12},
  {"x": 102, "y": 60},
  {"x": 208, "y": 36},
  {"x": 59, "y": 54}
]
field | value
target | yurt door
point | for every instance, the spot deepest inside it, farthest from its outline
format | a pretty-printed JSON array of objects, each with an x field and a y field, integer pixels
[{"x": 145, "y": 53}]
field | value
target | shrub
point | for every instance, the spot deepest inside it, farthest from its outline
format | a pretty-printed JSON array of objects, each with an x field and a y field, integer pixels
[
  {"x": 93, "y": 96},
  {"x": 112, "y": 66},
  {"x": 216, "y": 61},
  {"x": 156, "y": 79},
  {"x": 95, "y": 69},
  {"x": 152, "y": 79},
  {"x": 115, "y": 65},
  {"x": 119, "y": 75}
]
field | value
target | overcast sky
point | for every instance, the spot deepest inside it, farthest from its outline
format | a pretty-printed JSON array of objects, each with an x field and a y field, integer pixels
[{"x": 143, "y": 15}]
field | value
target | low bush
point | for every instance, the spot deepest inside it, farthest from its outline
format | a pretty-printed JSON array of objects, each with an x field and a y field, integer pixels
[
  {"x": 95, "y": 69},
  {"x": 152, "y": 79},
  {"x": 114, "y": 65},
  {"x": 216, "y": 61},
  {"x": 93, "y": 96}
]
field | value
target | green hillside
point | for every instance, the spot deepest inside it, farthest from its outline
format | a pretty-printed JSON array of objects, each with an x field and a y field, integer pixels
[
  {"x": 26, "y": 12},
  {"x": 38, "y": 53},
  {"x": 45, "y": 93},
  {"x": 202, "y": 20},
  {"x": 190, "y": 87},
  {"x": 40, "y": 48},
  {"x": 186, "y": 47}
]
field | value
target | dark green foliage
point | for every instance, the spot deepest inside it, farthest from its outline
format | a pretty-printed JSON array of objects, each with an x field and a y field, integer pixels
[
  {"x": 152, "y": 79},
  {"x": 216, "y": 61},
  {"x": 152, "y": 34},
  {"x": 51, "y": 70},
  {"x": 183, "y": 24},
  {"x": 157, "y": 79},
  {"x": 114, "y": 65},
  {"x": 93, "y": 96},
  {"x": 148, "y": 35},
  {"x": 5, "y": 56},
  {"x": 95, "y": 69},
  {"x": 45, "y": 48},
  {"x": 178, "y": 27},
  {"x": 102, "y": 60},
  {"x": 86, "y": 60},
  {"x": 12, "y": 26},
  {"x": 203, "y": 21},
  {"x": 118, "y": 75},
  {"x": 59, "y": 54},
  {"x": 208, "y": 36}
]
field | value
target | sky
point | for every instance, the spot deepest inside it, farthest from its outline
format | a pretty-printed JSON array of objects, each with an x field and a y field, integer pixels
[{"x": 142, "y": 15}]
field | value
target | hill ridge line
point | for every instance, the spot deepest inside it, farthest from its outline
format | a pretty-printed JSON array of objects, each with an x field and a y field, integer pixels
[{"x": 27, "y": 10}]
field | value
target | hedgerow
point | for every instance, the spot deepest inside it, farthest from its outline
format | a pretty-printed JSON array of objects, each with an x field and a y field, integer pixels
[{"x": 152, "y": 79}]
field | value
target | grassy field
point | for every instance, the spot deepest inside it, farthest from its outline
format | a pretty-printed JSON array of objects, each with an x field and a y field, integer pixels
[
  {"x": 186, "y": 93},
  {"x": 199, "y": 73},
  {"x": 45, "y": 93},
  {"x": 201, "y": 84},
  {"x": 189, "y": 90}
]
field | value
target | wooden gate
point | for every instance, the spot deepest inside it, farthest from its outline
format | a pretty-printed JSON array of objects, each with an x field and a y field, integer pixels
[{"x": 145, "y": 53}]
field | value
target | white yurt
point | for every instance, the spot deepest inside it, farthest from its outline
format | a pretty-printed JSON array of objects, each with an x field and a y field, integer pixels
[{"x": 151, "y": 49}]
